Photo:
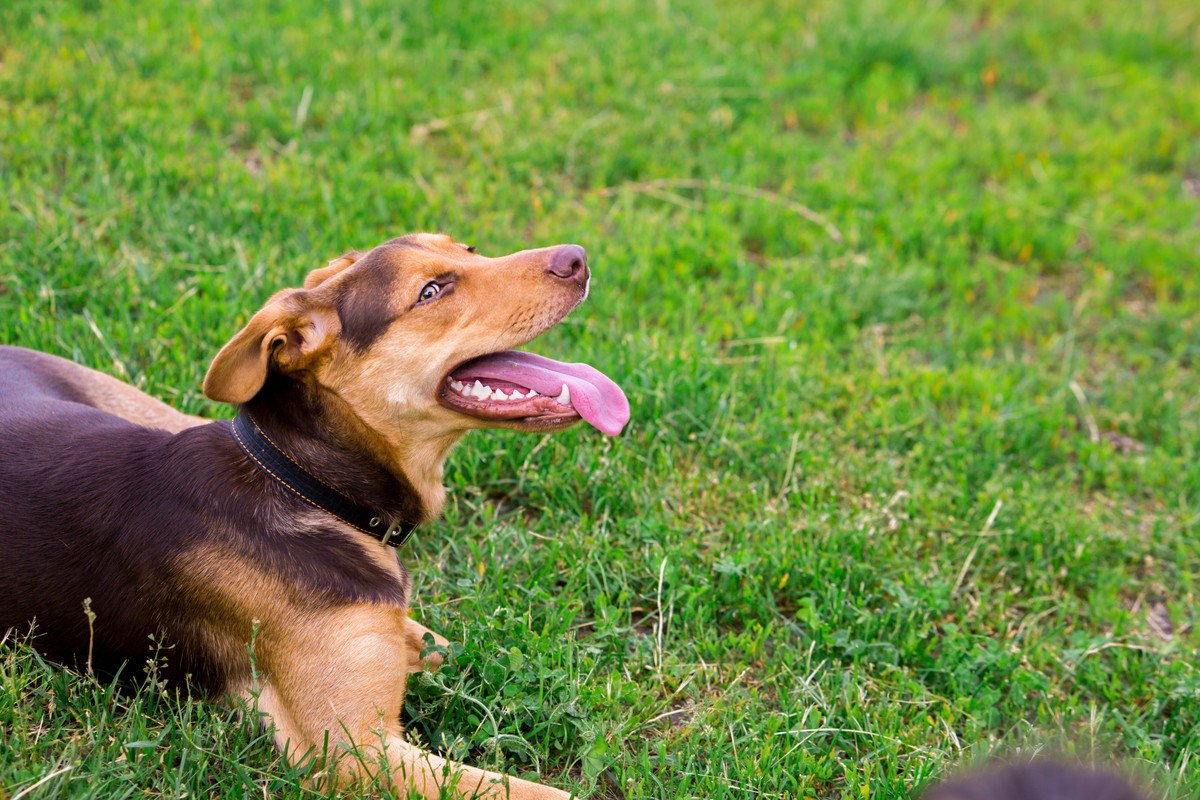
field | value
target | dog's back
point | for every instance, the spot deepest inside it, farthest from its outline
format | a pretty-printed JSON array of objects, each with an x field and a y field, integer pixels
[
  {"x": 128, "y": 518},
  {"x": 70, "y": 475},
  {"x": 28, "y": 374}
]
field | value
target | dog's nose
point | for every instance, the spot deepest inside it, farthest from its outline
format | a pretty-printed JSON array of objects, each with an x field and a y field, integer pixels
[{"x": 567, "y": 261}]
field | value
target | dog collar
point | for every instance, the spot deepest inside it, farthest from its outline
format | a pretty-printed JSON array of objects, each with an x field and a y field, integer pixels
[{"x": 276, "y": 463}]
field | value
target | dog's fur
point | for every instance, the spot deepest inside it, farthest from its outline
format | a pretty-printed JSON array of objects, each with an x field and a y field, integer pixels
[
  {"x": 165, "y": 529},
  {"x": 1037, "y": 780}
]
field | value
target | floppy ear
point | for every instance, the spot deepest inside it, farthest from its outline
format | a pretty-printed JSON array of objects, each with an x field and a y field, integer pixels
[
  {"x": 290, "y": 329},
  {"x": 319, "y": 276}
]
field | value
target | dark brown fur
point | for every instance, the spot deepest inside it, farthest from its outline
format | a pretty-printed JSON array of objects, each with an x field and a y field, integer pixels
[
  {"x": 113, "y": 512},
  {"x": 364, "y": 301},
  {"x": 183, "y": 549},
  {"x": 298, "y": 420},
  {"x": 1039, "y": 780}
]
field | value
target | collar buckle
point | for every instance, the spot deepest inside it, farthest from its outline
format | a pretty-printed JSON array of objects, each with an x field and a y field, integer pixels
[{"x": 393, "y": 529}]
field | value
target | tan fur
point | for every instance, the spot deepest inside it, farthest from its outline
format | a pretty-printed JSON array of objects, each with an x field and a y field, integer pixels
[
  {"x": 331, "y": 676},
  {"x": 339, "y": 673},
  {"x": 319, "y": 276},
  {"x": 288, "y": 329},
  {"x": 415, "y": 633},
  {"x": 503, "y": 303},
  {"x": 343, "y": 673},
  {"x": 389, "y": 391}
]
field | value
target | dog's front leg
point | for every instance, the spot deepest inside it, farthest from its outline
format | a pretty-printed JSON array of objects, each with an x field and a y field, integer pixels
[{"x": 339, "y": 677}]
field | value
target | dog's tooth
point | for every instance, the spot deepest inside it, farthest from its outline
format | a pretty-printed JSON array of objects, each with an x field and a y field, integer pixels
[
  {"x": 478, "y": 390},
  {"x": 498, "y": 395},
  {"x": 456, "y": 385},
  {"x": 565, "y": 397},
  {"x": 532, "y": 393}
]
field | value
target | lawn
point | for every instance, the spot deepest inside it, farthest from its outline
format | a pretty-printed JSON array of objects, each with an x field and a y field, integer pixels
[{"x": 905, "y": 296}]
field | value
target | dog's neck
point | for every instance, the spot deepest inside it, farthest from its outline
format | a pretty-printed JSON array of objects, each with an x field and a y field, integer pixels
[{"x": 314, "y": 429}]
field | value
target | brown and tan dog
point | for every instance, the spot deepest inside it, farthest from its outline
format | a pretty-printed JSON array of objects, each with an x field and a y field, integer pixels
[{"x": 173, "y": 527}]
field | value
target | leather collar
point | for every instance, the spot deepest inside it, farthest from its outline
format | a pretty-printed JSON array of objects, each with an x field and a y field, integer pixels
[{"x": 276, "y": 463}]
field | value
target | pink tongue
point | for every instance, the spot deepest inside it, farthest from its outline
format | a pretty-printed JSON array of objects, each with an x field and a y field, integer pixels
[{"x": 593, "y": 394}]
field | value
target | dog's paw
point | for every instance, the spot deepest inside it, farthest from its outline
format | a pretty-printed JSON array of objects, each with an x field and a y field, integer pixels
[
  {"x": 431, "y": 661},
  {"x": 427, "y": 650}
]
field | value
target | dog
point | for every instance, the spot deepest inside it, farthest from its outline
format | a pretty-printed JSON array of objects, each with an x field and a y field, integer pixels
[
  {"x": 1037, "y": 780},
  {"x": 261, "y": 553}
]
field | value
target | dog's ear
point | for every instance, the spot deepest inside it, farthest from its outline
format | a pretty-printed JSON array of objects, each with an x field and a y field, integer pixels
[
  {"x": 292, "y": 330},
  {"x": 319, "y": 276}
]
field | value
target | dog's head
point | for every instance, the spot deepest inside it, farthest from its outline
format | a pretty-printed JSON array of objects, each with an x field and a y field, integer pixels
[{"x": 410, "y": 339}]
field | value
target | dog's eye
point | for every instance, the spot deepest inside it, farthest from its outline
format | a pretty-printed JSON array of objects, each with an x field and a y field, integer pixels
[
  {"x": 429, "y": 291},
  {"x": 470, "y": 248}
]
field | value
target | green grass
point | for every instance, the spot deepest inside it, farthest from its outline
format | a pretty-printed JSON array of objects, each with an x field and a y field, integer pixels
[{"x": 902, "y": 490}]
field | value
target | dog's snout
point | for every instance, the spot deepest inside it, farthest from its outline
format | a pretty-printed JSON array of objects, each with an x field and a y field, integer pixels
[{"x": 568, "y": 261}]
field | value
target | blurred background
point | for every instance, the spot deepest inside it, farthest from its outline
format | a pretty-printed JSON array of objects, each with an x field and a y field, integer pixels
[{"x": 905, "y": 297}]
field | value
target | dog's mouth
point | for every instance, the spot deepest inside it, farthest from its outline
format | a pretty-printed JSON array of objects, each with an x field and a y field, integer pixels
[{"x": 531, "y": 392}]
